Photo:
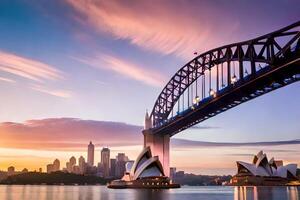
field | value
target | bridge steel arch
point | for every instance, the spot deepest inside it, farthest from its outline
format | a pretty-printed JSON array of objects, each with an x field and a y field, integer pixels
[{"x": 278, "y": 52}]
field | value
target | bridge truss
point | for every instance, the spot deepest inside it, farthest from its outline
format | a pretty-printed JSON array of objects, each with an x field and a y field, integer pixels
[{"x": 225, "y": 77}]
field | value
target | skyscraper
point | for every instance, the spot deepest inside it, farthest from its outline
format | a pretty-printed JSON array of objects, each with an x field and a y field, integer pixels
[
  {"x": 113, "y": 167},
  {"x": 56, "y": 165},
  {"x": 105, "y": 156},
  {"x": 71, "y": 164},
  {"x": 72, "y": 161},
  {"x": 90, "y": 156},
  {"x": 81, "y": 163},
  {"x": 120, "y": 164},
  {"x": 172, "y": 172}
]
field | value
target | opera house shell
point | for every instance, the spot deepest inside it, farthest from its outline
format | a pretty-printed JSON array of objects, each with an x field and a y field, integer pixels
[
  {"x": 145, "y": 172},
  {"x": 264, "y": 172}
]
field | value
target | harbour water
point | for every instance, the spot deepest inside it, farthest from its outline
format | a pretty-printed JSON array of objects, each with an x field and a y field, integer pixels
[{"x": 29, "y": 192}]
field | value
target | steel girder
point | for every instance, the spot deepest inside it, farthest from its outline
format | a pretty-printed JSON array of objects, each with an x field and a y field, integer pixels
[{"x": 264, "y": 49}]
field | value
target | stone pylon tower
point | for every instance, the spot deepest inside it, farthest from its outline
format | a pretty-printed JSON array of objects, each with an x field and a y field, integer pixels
[{"x": 159, "y": 144}]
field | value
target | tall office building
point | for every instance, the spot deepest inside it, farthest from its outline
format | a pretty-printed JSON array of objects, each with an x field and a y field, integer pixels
[
  {"x": 112, "y": 167},
  {"x": 56, "y": 165},
  {"x": 72, "y": 161},
  {"x": 81, "y": 163},
  {"x": 90, "y": 156},
  {"x": 105, "y": 156},
  {"x": 120, "y": 164},
  {"x": 71, "y": 164},
  {"x": 172, "y": 172}
]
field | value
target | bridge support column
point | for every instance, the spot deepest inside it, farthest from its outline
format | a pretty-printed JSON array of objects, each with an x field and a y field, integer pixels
[{"x": 160, "y": 146}]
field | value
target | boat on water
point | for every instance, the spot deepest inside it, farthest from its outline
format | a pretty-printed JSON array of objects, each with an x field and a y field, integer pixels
[{"x": 145, "y": 172}]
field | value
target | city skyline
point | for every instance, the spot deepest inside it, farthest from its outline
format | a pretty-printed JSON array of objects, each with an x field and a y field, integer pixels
[
  {"x": 108, "y": 167},
  {"x": 65, "y": 82}
]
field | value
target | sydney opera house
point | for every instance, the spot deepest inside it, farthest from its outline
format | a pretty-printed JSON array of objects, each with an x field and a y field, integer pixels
[
  {"x": 145, "y": 172},
  {"x": 264, "y": 172}
]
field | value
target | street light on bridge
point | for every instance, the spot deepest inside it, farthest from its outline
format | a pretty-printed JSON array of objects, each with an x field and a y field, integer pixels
[
  {"x": 212, "y": 92},
  {"x": 233, "y": 79},
  {"x": 196, "y": 100}
]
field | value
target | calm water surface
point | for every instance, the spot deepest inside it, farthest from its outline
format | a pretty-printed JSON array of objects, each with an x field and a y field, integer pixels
[{"x": 188, "y": 193}]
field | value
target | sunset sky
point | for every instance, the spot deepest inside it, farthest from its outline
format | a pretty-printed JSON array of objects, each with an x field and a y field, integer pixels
[{"x": 72, "y": 71}]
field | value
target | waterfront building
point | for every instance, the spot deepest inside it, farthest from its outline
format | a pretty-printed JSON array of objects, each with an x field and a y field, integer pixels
[
  {"x": 264, "y": 172},
  {"x": 172, "y": 172},
  {"x": 100, "y": 170},
  {"x": 3, "y": 175},
  {"x": 72, "y": 161},
  {"x": 10, "y": 170},
  {"x": 68, "y": 167},
  {"x": 179, "y": 174},
  {"x": 82, "y": 164},
  {"x": 91, "y": 170},
  {"x": 121, "y": 160},
  {"x": 70, "y": 164},
  {"x": 105, "y": 156},
  {"x": 40, "y": 170},
  {"x": 56, "y": 165},
  {"x": 112, "y": 171},
  {"x": 90, "y": 154},
  {"x": 49, "y": 168}
]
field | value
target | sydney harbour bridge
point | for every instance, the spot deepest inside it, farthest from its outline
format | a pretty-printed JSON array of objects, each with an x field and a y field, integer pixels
[{"x": 220, "y": 79}]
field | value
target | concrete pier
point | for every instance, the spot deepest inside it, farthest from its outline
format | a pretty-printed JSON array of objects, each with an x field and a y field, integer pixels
[{"x": 160, "y": 146}]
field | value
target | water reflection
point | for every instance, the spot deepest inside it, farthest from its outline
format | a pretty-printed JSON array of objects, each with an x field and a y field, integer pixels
[
  {"x": 261, "y": 193},
  {"x": 151, "y": 194},
  {"x": 184, "y": 193}
]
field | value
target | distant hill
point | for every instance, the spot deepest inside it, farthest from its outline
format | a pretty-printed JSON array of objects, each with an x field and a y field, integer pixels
[
  {"x": 201, "y": 180},
  {"x": 54, "y": 178}
]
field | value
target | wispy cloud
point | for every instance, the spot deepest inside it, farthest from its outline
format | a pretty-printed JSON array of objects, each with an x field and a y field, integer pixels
[
  {"x": 28, "y": 68},
  {"x": 125, "y": 68},
  {"x": 162, "y": 28},
  {"x": 7, "y": 80},
  {"x": 57, "y": 93},
  {"x": 33, "y": 70}
]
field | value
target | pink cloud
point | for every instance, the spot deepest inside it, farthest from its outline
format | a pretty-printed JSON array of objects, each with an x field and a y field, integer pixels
[
  {"x": 67, "y": 133},
  {"x": 125, "y": 68},
  {"x": 28, "y": 68},
  {"x": 57, "y": 93},
  {"x": 166, "y": 28},
  {"x": 7, "y": 80}
]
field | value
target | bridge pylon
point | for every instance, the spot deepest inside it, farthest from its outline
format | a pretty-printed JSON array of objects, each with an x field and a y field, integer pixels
[{"x": 159, "y": 145}]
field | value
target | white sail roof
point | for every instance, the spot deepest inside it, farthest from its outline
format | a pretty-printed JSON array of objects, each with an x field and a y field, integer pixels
[
  {"x": 146, "y": 166},
  {"x": 262, "y": 167}
]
